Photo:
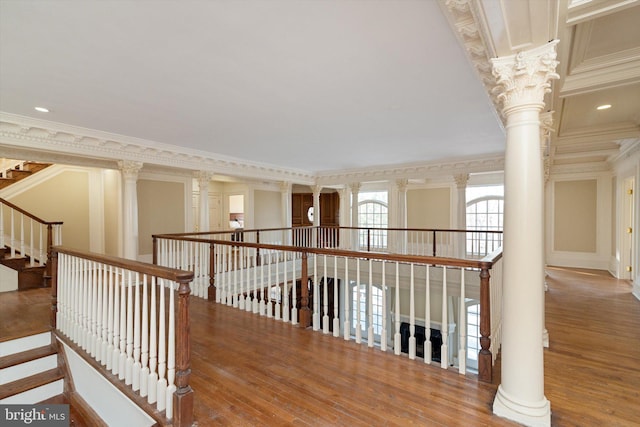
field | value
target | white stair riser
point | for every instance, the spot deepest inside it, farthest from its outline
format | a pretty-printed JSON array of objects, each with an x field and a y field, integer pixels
[
  {"x": 23, "y": 344},
  {"x": 36, "y": 395},
  {"x": 29, "y": 368}
]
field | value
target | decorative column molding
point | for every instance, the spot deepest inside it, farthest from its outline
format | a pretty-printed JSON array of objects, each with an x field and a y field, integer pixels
[
  {"x": 523, "y": 79},
  {"x": 546, "y": 127},
  {"x": 203, "y": 177},
  {"x": 461, "y": 180},
  {"x": 355, "y": 189},
  {"x": 401, "y": 185},
  {"x": 129, "y": 170}
]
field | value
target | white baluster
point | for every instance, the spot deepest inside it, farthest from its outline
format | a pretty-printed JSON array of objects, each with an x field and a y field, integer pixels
[
  {"x": 397, "y": 345},
  {"x": 235, "y": 279},
  {"x": 383, "y": 334},
  {"x": 316, "y": 297},
  {"x": 336, "y": 319},
  {"x": 266, "y": 288},
  {"x": 115, "y": 357},
  {"x": 153, "y": 357},
  {"x": 94, "y": 307},
  {"x": 242, "y": 299},
  {"x": 427, "y": 318},
  {"x": 98, "y": 318},
  {"x": 13, "y": 235},
  {"x": 128, "y": 380},
  {"x": 105, "y": 314},
  {"x": 217, "y": 259},
  {"x": 325, "y": 295},
  {"x": 171, "y": 356},
  {"x": 462, "y": 328},
  {"x": 122, "y": 359},
  {"x": 86, "y": 304},
  {"x": 110, "y": 319},
  {"x": 135, "y": 371},
  {"x": 22, "y": 251},
  {"x": 32, "y": 252},
  {"x": 347, "y": 298},
  {"x": 356, "y": 304},
  {"x": 2, "y": 239},
  {"x": 144, "y": 357},
  {"x": 370, "y": 335},
  {"x": 412, "y": 317},
  {"x": 444, "y": 329},
  {"x": 285, "y": 289},
  {"x": 161, "y": 392}
]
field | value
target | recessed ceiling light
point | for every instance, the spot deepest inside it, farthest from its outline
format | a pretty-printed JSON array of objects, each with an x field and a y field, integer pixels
[
  {"x": 42, "y": 109},
  {"x": 603, "y": 107}
]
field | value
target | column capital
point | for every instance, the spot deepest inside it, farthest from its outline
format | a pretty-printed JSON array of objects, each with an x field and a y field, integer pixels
[
  {"x": 130, "y": 168},
  {"x": 402, "y": 184},
  {"x": 316, "y": 189},
  {"x": 461, "y": 179},
  {"x": 285, "y": 186},
  {"x": 355, "y": 187},
  {"x": 203, "y": 177},
  {"x": 524, "y": 78}
]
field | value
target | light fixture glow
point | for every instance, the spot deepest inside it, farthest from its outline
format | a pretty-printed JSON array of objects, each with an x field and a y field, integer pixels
[
  {"x": 42, "y": 109},
  {"x": 603, "y": 107}
]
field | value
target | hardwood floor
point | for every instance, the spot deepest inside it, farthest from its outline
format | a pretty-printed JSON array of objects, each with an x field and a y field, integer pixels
[
  {"x": 592, "y": 365},
  {"x": 250, "y": 370}
]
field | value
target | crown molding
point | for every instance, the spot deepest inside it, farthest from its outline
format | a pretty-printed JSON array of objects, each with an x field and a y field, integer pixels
[
  {"x": 449, "y": 167},
  {"x": 50, "y": 137}
]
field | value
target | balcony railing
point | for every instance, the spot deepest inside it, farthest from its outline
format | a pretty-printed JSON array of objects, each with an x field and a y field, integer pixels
[
  {"x": 132, "y": 318},
  {"x": 391, "y": 301}
]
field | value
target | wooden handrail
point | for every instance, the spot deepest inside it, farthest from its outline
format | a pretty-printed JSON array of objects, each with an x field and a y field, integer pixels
[
  {"x": 23, "y": 212},
  {"x": 140, "y": 267}
]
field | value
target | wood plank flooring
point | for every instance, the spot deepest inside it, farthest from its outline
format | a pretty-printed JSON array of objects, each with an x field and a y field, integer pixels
[{"x": 250, "y": 370}]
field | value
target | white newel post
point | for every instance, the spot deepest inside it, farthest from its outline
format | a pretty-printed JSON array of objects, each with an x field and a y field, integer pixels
[
  {"x": 401, "y": 184},
  {"x": 355, "y": 240},
  {"x": 129, "y": 170},
  {"x": 203, "y": 178},
  {"x": 461, "y": 213},
  {"x": 524, "y": 79},
  {"x": 285, "y": 201}
]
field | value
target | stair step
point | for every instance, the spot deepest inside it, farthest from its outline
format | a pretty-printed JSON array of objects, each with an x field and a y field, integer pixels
[
  {"x": 17, "y": 174},
  {"x": 5, "y": 182},
  {"x": 25, "y": 384},
  {"x": 26, "y": 356},
  {"x": 35, "y": 166},
  {"x": 15, "y": 263}
]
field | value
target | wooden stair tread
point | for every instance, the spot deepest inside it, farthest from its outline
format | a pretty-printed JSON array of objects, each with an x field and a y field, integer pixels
[
  {"x": 27, "y": 356},
  {"x": 28, "y": 383}
]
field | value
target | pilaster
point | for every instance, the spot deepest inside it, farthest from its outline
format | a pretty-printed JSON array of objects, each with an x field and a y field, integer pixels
[{"x": 203, "y": 177}]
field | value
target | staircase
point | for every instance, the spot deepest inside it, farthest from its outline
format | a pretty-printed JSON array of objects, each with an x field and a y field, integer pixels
[
  {"x": 29, "y": 371},
  {"x": 28, "y": 277},
  {"x": 20, "y": 171}
]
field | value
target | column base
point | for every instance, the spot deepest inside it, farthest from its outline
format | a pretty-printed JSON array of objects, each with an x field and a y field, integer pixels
[{"x": 533, "y": 414}]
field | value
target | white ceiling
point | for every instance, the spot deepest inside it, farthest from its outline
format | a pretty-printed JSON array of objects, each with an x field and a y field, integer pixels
[{"x": 310, "y": 85}]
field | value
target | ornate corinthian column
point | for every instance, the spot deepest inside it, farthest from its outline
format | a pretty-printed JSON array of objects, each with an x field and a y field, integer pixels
[
  {"x": 524, "y": 79},
  {"x": 402, "y": 244},
  {"x": 355, "y": 189},
  {"x": 129, "y": 170}
]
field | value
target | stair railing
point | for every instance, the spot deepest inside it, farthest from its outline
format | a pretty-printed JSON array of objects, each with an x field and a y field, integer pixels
[
  {"x": 27, "y": 235},
  {"x": 132, "y": 318}
]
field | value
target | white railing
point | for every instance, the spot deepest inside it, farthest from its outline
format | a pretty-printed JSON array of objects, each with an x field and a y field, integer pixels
[
  {"x": 124, "y": 314},
  {"x": 408, "y": 295},
  {"x": 27, "y": 235}
]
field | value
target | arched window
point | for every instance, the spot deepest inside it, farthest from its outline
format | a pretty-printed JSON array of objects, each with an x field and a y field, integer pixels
[
  {"x": 373, "y": 213},
  {"x": 484, "y": 214}
]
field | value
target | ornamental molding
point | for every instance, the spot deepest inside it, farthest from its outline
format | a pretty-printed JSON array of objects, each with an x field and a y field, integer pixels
[
  {"x": 524, "y": 78},
  {"x": 420, "y": 171},
  {"x": 130, "y": 169},
  {"x": 50, "y": 137}
]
